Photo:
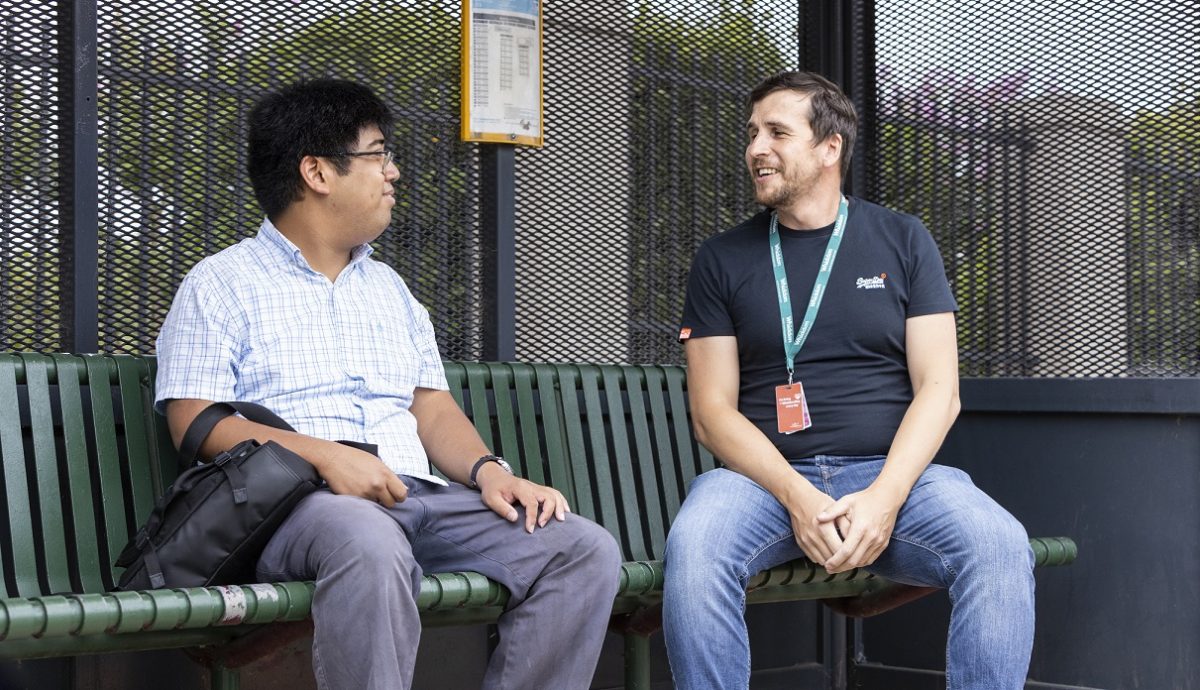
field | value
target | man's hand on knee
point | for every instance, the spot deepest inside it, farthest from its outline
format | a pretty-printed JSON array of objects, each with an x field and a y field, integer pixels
[
  {"x": 501, "y": 491},
  {"x": 353, "y": 472}
]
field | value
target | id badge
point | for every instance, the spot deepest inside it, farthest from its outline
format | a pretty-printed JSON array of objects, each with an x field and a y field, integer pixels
[{"x": 791, "y": 409}]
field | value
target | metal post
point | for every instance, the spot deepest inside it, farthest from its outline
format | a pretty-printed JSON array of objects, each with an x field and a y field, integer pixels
[
  {"x": 637, "y": 661},
  {"x": 222, "y": 678},
  {"x": 498, "y": 189},
  {"x": 79, "y": 167},
  {"x": 839, "y": 43},
  {"x": 859, "y": 80}
]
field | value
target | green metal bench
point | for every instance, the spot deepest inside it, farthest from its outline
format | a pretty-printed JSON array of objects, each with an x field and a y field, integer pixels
[{"x": 84, "y": 457}]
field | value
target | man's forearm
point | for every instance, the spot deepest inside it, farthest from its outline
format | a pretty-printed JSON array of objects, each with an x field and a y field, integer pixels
[
  {"x": 233, "y": 430},
  {"x": 926, "y": 422},
  {"x": 742, "y": 446},
  {"x": 450, "y": 439}
]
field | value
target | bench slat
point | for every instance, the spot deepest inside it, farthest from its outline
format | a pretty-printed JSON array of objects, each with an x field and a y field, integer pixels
[
  {"x": 574, "y": 451},
  {"x": 625, "y": 492},
  {"x": 50, "y": 504},
  {"x": 527, "y": 422},
  {"x": 454, "y": 379},
  {"x": 692, "y": 458},
  {"x": 163, "y": 453},
  {"x": 593, "y": 461},
  {"x": 557, "y": 455},
  {"x": 477, "y": 377},
  {"x": 646, "y": 461},
  {"x": 22, "y": 581},
  {"x": 117, "y": 525},
  {"x": 79, "y": 479},
  {"x": 504, "y": 421},
  {"x": 672, "y": 487},
  {"x": 142, "y": 477}
]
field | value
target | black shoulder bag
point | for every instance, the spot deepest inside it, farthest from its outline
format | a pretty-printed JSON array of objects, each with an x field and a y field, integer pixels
[{"x": 215, "y": 519}]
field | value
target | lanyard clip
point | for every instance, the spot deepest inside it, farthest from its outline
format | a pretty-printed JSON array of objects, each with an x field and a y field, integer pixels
[{"x": 789, "y": 377}]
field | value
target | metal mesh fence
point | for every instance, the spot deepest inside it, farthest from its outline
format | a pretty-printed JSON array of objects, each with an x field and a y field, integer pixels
[
  {"x": 32, "y": 312},
  {"x": 1055, "y": 156},
  {"x": 1053, "y": 153},
  {"x": 175, "y": 83},
  {"x": 643, "y": 161}
]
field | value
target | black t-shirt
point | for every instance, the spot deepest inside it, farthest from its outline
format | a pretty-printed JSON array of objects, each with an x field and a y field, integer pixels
[{"x": 853, "y": 365}]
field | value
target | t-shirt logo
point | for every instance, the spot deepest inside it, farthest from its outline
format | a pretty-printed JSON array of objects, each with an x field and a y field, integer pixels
[
  {"x": 685, "y": 333},
  {"x": 872, "y": 283}
]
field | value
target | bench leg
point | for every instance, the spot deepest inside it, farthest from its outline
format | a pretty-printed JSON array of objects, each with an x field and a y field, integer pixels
[
  {"x": 637, "y": 661},
  {"x": 222, "y": 678}
]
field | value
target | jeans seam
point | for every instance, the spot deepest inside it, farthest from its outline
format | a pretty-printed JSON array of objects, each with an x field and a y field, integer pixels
[
  {"x": 772, "y": 541},
  {"x": 516, "y": 576},
  {"x": 319, "y": 669},
  {"x": 927, "y": 547},
  {"x": 746, "y": 631}
]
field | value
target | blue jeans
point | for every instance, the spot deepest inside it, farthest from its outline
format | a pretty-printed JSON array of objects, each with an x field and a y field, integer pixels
[{"x": 948, "y": 534}]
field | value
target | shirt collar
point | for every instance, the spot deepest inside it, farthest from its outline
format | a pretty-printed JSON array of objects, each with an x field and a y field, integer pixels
[{"x": 270, "y": 236}]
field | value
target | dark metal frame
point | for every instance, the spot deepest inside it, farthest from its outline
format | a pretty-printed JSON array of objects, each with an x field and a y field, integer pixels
[
  {"x": 838, "y": 42},
  {"x": 81, "y": 174},
  {"x": 498, "y": 229}
]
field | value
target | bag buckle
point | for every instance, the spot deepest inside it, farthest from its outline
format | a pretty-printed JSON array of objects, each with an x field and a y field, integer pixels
[{"x": 239, "y": 451}]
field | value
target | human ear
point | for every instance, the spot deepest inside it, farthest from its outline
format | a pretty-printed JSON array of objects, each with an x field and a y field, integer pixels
[
  {"x": 831, "y": 153},
  {"x": 315, "y": 172}
]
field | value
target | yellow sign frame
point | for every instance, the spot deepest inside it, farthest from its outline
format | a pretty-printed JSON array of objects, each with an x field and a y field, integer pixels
[{"x": 498, "y": 130}]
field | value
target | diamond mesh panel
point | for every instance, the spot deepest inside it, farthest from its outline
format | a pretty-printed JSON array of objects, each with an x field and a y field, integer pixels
[
  {"x": 175, "y": 84},
  {"x": 31, "y": 247},
  {"x": 643, "y": 161},
  {"x": 1053, "y": 153}
]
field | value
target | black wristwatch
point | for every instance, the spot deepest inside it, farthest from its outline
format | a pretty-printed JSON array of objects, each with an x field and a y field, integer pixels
[{"x": 484, "y": 460}]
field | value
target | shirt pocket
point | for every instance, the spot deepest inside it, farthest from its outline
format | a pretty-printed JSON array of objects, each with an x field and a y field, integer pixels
[{"x": 393, "y": 363}]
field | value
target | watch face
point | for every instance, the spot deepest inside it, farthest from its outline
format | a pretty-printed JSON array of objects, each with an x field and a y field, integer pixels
[{"x": 504, "y": 463}]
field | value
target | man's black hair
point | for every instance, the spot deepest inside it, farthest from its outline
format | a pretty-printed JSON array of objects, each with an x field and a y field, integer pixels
[{"x": 321, "y": 116}]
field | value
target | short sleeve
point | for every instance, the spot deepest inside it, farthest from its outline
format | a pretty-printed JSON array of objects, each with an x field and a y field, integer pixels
[
  {"x": 706, "y": 305},
  {"x": 929, "y": 291},
  {"x": 432, "y": 373},
  {"x": 198, "y": 344}
]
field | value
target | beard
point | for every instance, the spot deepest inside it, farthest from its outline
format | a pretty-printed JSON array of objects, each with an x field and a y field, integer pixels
[{"x": 792, "y": 187}]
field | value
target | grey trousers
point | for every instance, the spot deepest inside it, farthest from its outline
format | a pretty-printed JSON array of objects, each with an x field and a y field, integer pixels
[{"x": 368, "y": 560}]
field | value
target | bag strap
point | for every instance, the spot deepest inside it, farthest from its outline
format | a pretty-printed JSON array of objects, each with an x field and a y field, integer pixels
[{"x": 204, "y": 422}]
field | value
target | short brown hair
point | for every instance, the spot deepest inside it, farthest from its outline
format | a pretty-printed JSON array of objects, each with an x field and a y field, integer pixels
[{"x": 829, "y": 111}]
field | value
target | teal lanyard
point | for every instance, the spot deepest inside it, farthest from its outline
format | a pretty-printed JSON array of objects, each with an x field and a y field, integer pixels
[{"x": 792, "y": 346}]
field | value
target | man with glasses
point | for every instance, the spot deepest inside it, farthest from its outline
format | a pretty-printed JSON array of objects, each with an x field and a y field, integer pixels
[{"x": 300, "y": 319}]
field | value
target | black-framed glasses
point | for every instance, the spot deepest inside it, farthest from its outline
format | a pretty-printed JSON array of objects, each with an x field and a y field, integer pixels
[{"x": 386, "y": 154}]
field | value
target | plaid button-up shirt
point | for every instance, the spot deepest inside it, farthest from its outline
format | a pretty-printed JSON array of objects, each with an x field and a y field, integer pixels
[{"x": 337, "y": 360}]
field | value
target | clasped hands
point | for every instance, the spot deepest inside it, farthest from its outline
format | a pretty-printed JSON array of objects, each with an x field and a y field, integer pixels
[{"x": 847, "y": 533}]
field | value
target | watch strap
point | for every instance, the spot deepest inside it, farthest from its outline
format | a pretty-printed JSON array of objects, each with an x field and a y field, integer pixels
[{"x": 479, "y": 465}]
